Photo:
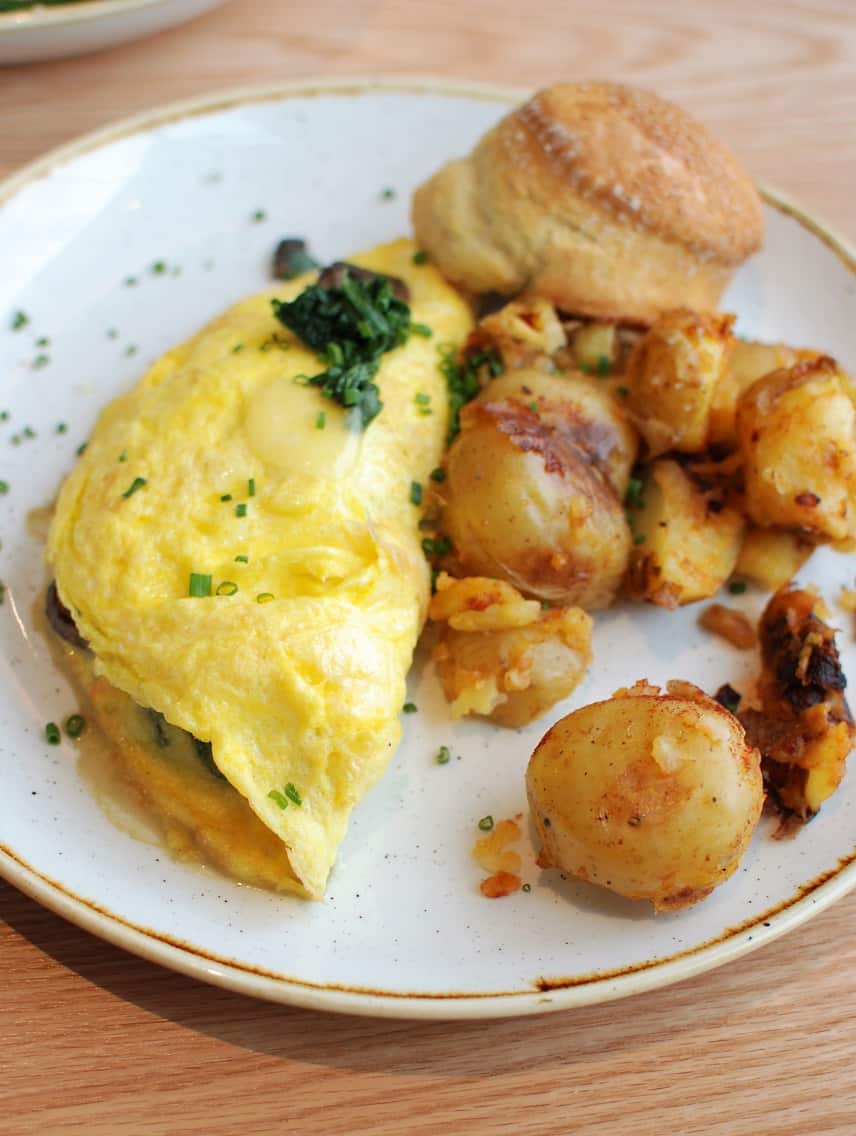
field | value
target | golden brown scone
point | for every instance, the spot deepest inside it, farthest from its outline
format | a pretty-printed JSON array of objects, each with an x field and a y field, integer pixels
[{"x": 603, "y": 199}]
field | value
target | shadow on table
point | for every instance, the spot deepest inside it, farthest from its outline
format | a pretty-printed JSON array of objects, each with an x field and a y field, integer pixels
[{"x": 469, "y": 1048}]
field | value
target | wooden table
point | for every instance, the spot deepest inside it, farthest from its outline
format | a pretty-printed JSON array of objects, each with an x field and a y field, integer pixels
[{"x": 97, "y": 1042}]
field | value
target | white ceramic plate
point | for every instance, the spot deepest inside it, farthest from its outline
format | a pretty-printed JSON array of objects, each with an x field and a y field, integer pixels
[
  {"x": 74, "y": 29},
  {"x": 404, "y": 931}
]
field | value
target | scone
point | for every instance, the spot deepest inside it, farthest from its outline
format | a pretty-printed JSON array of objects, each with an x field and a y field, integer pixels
[{"x": 606, "y": 200}]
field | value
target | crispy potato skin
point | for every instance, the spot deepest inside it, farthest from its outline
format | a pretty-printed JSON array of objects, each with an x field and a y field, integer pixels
[
  {"x": 534, "y": 484},
  {"x": 653, "y": 796},
  {"x": 810, "y": 485},
  {"x": 688, "y": 539},
  {"x": 804, "y": 728},
  {"x": 500, "y": 656},
  {"x": 673, "y": 374}
]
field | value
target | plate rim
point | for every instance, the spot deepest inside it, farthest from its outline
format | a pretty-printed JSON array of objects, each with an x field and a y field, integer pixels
[
  {"x": 734, "y": 942},
  {"x": 35, "y": 19}
]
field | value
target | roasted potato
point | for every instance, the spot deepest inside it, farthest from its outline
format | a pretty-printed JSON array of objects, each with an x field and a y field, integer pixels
[
  {"x": 501, "y": 656},
  {"x": 526, "y": 333},
  {"x": 686, "y": 539},
  {"x": 672, "y": 376},
  {"x": 804, "y": 728},
  {"x": 771, "y": 557},
  {"x": 748, "y": 362},
  {"x": 533, "y": 488},
  {"x": 596, "y": 347},
  {"x": 652, "y": 795},
  {"x": 797, "y": 434}
]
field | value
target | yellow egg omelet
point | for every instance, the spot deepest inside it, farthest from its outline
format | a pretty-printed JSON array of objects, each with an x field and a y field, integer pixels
[{"x": 221, "y": 463}]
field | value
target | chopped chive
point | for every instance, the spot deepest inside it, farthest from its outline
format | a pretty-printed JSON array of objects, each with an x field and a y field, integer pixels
[
  {"x": 293, "y": 794},
  {"x": 420, "y": 257},
  {"x": 4, "y": 416},
  {"x": 131, "y": 350},
  {"x": 136, "y": 484},
  {"x": 415, "y": 493},
  {"x": 737, "y": 587},
  {"x": 409, "y": 708},
  {"x": 2, "y": 591},
  {"x": 533, "y": 406},
  {"x": 112, "y": 333},
  {"x": 258, "y": 216},
  {"x": 61, "y": 428},
  {"x": 278, "y": 798},
  {"x": 443, "y": 756},
  {"x": 633, "y": 496},
  {"x": 159, "y": 268},
  {"x": 238, "y": 347},
  {"x": 227, "y": 588},
  {"x": 226, "y": 497},
  {"x": 19, "y": 320},
  {"x": 41, "y": 361},
  {"x": 75, "y": 724},
  {"x": 264, "y": 597},
  {"x": 320, "y": 420},
  {"x": 387, "y": 193},
  {"x": 438, "y": 474},
  {"x": 623, "y": 391},
  {"x": 545, "y": 605},
  {"x": 242, "y": 559},
  {"x": 199, "y": 584},
  {"x": 130, "y": 281},
  {"x": 420, "y": 329},
  {"x": 421, "y": 398},
  {"x": 52, "y": 734},
  {"x": 486, "y": 823},
  {"x": 251, "y": 487},
  {"x": 43, "y": 341},
  {"x": 29, "y": 432},
  {"x": 81, "y": 449},
  {"x": 123, "y": 457},
  {"x": 241, "y": 510},
  {"x": 639, "y": 538},
  {"x": 604, "y": 366},
  {"x": 4, "y": 488}
]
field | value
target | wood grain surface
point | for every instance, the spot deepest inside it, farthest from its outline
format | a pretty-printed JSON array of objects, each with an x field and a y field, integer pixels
[{"x": 94, "y": 1041}]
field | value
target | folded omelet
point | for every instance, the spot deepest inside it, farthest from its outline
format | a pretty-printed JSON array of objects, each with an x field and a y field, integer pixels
[{"x": 223, "y": 463}]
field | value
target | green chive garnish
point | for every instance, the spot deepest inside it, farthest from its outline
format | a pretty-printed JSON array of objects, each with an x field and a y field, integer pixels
[
  {"x": 293, "y": 794},
  {"x": 238, "y": 347},
  {"x": 136, "y": 484},
  {"x": 75, "y": 724},
  {"x": 603, "y": 365},
  {"x": 264, "y": 597},
  {"x": 737, "y": 587},
  {"x": 623, "y": 391},
  {"x": 258, "y": 216},
  {"x": 19, "y": 320},
  {"x": 278, "y": 798},
  {"x": 443, "y": 756},
  {"x": 420, "y": 257},
  {"x": 415, "y": 493},
  {"x": 52, "y": 734},
  {"x": 159, "y": 267},
  {"x": 241, "y": 510},
  {"x": 81, "y": 449},
  {"x": 639, "y": 538},
  {"x": 388, "y": 193},
  {"x": 199, "y": 584},
  {"x": 43, "y": 341},
  {"x": 409, "y": 708},
  {"x": 242, "y": 559},
  {"x": 438, "y": 474},
  {"x": 633, "y": 496},
  {"x": 251, "y": 487},
  {"x": 226, "y": 497},
  {"x": 486, "y": 823},
  {"x": 421, "y": 398},
  {"x": 227, "y": 588},
  {"x": 123, "y": 457},
  {"x": 421, "y": 329},
  {"x": 4, "y": 488},
  {"x": 320, "y": 420}
]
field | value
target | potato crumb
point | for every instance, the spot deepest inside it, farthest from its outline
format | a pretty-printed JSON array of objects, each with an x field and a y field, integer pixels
[
  {"x": 729, "y": 624},
  {"x": 847, "y": 599},
  {"x": 500, "y": 884},
  {"x": 492, "y": 854}
]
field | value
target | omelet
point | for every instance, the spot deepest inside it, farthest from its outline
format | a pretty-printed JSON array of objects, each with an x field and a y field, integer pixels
[{"x": 245, "y": 561}]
